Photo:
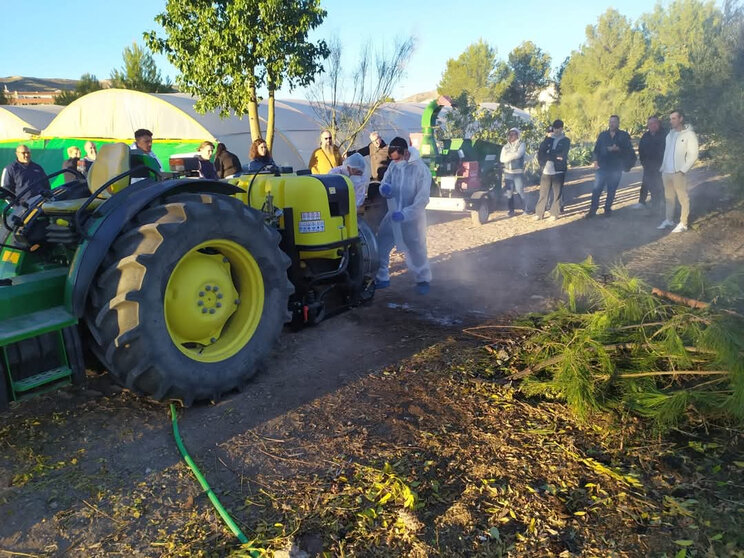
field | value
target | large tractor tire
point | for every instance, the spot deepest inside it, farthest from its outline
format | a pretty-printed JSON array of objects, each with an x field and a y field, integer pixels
[{"x": 190, "y": 299}]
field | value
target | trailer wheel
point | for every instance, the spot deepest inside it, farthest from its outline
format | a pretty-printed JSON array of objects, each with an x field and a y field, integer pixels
[
  {"x": 480, "y": 215},
  {"x": 192, "y": 299}
]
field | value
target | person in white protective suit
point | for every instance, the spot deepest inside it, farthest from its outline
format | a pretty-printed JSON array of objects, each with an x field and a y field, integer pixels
[
  {"x": 356, "y": 168},
  {"x": 406, "y": 185}
]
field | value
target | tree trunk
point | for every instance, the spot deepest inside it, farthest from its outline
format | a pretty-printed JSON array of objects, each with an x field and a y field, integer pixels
[
  {"x": 253, "y": 115},
  {"x": 270, "y": 123}
]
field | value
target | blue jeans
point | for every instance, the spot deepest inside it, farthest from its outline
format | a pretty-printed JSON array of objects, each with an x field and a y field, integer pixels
[
  {"x": 605, "y": 179},
  {"x": 513, "y": 185}
]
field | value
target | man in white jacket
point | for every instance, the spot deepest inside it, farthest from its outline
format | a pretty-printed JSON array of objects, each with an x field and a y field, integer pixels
[
  {"x": 406, "y": 185},
  {"x": 512, "y": 157},
  {"x": 680, "y": 154}
]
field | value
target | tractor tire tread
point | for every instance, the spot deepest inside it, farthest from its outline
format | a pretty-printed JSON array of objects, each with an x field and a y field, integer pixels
[{"x": 125, "y": 286}]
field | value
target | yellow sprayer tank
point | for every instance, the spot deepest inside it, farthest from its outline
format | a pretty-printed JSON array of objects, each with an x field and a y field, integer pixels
[{"x": 317, "y": 211}]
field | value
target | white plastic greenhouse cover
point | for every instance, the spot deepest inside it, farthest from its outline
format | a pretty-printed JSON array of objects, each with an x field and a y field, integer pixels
[
  {"x": 117, "y": 113},
  {"x": 14, "y": 118}
]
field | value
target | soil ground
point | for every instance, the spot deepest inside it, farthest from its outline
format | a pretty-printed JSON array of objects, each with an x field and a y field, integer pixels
[{"x": 301, "y": 454}]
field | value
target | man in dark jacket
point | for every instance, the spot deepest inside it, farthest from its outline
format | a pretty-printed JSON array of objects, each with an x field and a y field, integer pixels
[
  {"x": 553, "y": 158},
  {"x": 651, "y": 154},
  {"x": 613, "y": 154},
  {"x": 23, "y": 177},
  {"x": 379, "y": 160}
]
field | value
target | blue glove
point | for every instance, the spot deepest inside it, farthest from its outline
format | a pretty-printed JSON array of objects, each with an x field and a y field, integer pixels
[
  {"x": 386, "y": 190},
  {"x": 398, "y": 216}
]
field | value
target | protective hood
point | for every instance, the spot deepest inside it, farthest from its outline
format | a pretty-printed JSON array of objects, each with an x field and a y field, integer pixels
[{"x": 414, "y": 154}]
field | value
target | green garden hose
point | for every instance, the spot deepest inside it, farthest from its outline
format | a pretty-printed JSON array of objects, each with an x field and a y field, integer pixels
[{"x": 205, "y": 485}]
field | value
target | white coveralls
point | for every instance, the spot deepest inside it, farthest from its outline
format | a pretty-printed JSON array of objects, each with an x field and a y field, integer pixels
[
  {"x": 411, "y": 184},
  {"x": 355, "y": 161}
]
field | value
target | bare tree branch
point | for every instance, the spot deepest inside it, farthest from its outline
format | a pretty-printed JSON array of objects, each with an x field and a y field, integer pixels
[{"x": 371, "y": 87}]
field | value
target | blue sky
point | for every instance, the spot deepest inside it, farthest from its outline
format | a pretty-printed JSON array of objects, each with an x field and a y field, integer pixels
[{"x": 62, "y": 39}]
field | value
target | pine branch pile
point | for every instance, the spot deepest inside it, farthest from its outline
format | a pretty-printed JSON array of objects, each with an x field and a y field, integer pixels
[{"x": 619, "y": 345}]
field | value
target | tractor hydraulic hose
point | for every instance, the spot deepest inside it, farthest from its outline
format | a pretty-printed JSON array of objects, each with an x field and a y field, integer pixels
[{"x": 204, "y": 484}]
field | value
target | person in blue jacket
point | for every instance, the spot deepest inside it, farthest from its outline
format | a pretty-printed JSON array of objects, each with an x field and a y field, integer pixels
[
  {"x": 24, "y": 178},
  {"x": 206, "y": 168},
  {"x": 613, "y": 154}
]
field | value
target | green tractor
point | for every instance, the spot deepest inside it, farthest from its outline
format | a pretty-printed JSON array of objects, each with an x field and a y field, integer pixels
[{"x": 178, "y": 287}]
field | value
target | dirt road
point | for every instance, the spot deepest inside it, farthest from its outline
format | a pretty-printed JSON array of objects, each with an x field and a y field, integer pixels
[{"x": 82, "y": 441}]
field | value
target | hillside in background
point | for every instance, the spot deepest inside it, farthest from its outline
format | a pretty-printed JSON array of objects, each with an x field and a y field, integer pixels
[
  {"x": 423, "y": 97},
  {"x": 22, "y": 83}
]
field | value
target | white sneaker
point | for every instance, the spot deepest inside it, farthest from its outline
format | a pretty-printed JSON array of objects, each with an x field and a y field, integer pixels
[
  {"x": 679, "y": 228},
  {"x": 665, "y": 224},
  {"x": 638, "y": 205}
]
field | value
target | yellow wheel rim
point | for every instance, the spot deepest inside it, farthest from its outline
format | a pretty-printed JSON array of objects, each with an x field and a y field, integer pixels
[{"x": 214, "y": 300}]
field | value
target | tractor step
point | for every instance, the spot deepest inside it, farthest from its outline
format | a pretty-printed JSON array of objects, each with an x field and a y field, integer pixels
[
  {"x": 38, "y": 380},
  {"x": 33, "y": 324}
]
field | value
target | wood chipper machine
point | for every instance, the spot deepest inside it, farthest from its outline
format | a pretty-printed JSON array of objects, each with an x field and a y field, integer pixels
[
  {"x": 178, "y": 286},
  {"x": 466, "y": 174}
]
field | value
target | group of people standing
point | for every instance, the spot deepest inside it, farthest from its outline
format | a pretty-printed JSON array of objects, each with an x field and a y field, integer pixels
[
  {"x": 552, "y": 156},
  {"x": 666, "y": 158}
]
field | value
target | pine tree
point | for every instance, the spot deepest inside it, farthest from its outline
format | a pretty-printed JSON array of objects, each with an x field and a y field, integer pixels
[
  {"x": 139, "y": 72},
  {"x": 477, "y": 72},
  {"x": 530, "y": 73}
]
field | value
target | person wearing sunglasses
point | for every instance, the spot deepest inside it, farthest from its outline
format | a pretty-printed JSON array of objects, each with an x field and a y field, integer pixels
[
  {"x": 23, "y": 176},
  {"x": 406, "y": 185},
  {"x": 325, "y": 157}
]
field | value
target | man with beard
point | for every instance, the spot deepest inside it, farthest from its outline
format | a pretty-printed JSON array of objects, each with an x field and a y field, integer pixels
[
  {"x": 325, "y": 157},
  {"x": 378, "y": 156},
  {"x": 651, "y": 153}
]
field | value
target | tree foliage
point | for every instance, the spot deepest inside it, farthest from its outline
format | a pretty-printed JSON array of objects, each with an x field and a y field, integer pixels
[
  {"x": 712, "y": 92},
  {"x": 675, "y": 34},
  {"x": 619, "y": 345},
  {"x": 87, "y": 84},
  {"x": 606, "y": 76},
  {"x": 478, "y": 72},
  {"x": 636, "y": 70},
  {"x": 529, "y": 73},
  {"x": 3, "y": 98},
  {"x": 347, "y": 102},
  {"x": 139, "y": 72},
  {"x": 226, "y": 50}
]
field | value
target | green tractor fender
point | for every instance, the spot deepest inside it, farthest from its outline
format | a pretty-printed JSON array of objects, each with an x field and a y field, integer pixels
[{"x": 114, "y": 216}]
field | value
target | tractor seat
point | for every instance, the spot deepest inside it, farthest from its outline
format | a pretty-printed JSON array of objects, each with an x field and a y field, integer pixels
[
  {"x": 112, "y": 160},
  {"x": 65, "y": 207}
]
